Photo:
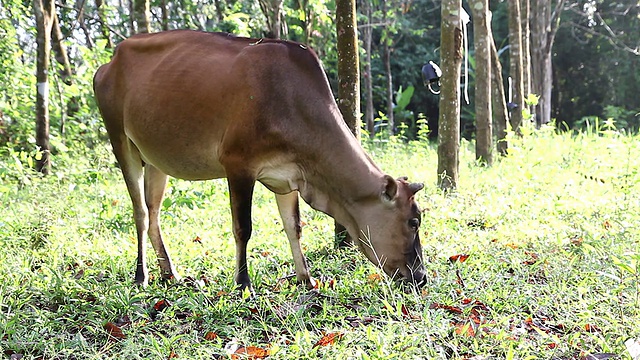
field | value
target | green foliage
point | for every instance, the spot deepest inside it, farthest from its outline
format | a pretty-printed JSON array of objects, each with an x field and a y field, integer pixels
[{"x": 551, "y": 237}]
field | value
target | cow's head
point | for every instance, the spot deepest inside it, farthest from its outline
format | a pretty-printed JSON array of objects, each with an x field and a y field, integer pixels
[{"x": 389, "y": 231}]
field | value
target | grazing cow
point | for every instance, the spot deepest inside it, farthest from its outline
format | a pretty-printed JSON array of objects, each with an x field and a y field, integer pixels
[{"x": 197, "y": 106}]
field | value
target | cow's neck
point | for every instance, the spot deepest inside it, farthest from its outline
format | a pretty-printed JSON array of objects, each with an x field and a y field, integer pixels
[{"x": 340, "y": 180}]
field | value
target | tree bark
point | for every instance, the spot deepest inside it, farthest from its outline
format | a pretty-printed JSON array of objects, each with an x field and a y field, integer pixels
[
  {"x": 142, "y": 14},
  {"x": 43, "y": 10},
  {"x": 544, "y": 25},
  {"x": 60, "y": 51},
  {"x": 515, "y": 64},
  {"x": 386, "y": 58},
  {"x": 367, "y": 31},
  {"x": 484, "y": 128},
  {"x": 81, "y": 23},
  {"x": 449, "y": 121},
  {"x": 499, "y": 102},
  {"x": 348, "y": 79},
  {"x": 273, "y": 12},
  {"x": 104, "y": 29},
  {"x": 525, "y": 12},
  {"x": 164, "y": 15}
]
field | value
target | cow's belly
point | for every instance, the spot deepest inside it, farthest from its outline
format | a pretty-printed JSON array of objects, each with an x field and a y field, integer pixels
[{"x": 190, "y": 166}]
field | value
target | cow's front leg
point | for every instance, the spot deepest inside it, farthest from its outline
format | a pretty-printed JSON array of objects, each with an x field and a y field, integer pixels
[
  {"x": 240, "y": 194},
  {"x": 288, "y": 206}
]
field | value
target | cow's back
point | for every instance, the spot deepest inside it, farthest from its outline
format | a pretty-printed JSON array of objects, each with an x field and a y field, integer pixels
[{"x": 186, "y": 99}]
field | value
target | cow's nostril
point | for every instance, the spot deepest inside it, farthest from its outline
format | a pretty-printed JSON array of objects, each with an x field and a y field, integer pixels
[{"x": 419, "y": 277}]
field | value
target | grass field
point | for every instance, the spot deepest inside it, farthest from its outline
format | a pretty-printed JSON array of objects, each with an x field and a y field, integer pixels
[{"x": 537, "y": 257}]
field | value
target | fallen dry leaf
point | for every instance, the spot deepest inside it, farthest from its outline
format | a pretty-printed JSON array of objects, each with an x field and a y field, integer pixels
[
  {"x": 210, "y": 335},
  {"x": 161, "y": 305},
  {"x": 449, "y": 308},
  {"x": 464, "y": 329},
  {"x": 591, "y": 328},
  {"x": 459, "y": 258},
  {"x": 329, "y": 339},
  {"x": 114, "y": 331},
  {"x": 250, "y": 352}
]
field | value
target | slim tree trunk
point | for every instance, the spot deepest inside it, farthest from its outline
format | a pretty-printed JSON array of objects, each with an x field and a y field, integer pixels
[
  {"x": 43, "y": 10},
  {"x": 515, "y": 62},
  {"x": 386, "y": 58},
  {"x": 449, "y": 121},
  {"x": 484, "y": 128},
  {"x": 81, "y": 23},
  {"x": 544, "y": 25},
  {"x": 219, "y": 10},
  {"x": 367, "y": 31},
  {"x": 164, "y": 20},
  {"x": 348, "y": 79},
  {"x": 60, "y": 51},
  {"x": 142, "y": 14},
  {"x": 525, "y": 12},
  {"x": 273, "y": 12},
  {"x": 499, "y": 102},
  {"x": 104, "y": 29}
]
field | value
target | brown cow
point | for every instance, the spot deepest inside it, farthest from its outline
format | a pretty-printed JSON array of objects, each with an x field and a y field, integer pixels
[{"x": 197, "y": 106}]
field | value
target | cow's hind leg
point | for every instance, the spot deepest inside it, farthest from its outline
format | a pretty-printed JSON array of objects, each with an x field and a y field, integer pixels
[
  {"x": 132, "y": 170},
  {"x": 241, "y": 194},
  {"x": 155, "y": 182},
  {"x": 289, "y": 208}
]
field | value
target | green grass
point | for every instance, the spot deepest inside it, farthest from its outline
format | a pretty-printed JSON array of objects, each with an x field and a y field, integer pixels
[{"x": 552, "y": 233}]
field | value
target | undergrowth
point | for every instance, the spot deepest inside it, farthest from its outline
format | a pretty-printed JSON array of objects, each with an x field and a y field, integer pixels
[{"x": 534, "y": 257}]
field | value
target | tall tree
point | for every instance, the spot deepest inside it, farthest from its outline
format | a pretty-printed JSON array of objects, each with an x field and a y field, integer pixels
[
  {"x": 515, "y": 64},
  {"x": 482, "y": 45},
  {"x": 104, "y": 28},
  {"x": 387, "y": 41},
  {"x": 367, "y": 35},
  {"x": 499, "y": 101},
  {"x": 525, "y": 12},
  {"x": 348, "y": 78},
  {"x": 142, "y": 14},
  {"x": 44, "y": 11},
  {"x": 449, "y": 121},
  {"x": 274, "y": 13},
  {"x": 545, "y": 20}
]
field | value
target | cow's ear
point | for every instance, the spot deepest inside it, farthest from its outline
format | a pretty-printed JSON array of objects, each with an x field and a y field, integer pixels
[{"x": 390, "y": 189}]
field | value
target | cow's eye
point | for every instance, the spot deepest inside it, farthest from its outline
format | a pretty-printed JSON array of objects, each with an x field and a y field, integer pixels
[{"x": 414, "y": 223}]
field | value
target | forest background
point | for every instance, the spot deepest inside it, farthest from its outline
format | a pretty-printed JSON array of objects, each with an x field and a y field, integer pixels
[
  {"x": 595, "y": 57},
  {"x": 534, "y": 257}
]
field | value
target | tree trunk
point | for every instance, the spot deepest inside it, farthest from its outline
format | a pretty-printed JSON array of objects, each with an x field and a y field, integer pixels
[
  {"x": 219, "y": 10},
  {"x": 449, "y": 121},
  {"x": 81, "y": 23},
  {"x": 348, "y": 79},
  {"x": 544, "y": 25},
  {"x": 499, "y": 102},
  {"x": 525, "y": 12},
  {"x": 273, "y": 12},
  {"x": 104, "y": 29},
  {"x": 307, "y": 23},
  {"x": 367, "y": 31},
  {"x": 515, "y": 64},
  {"x": 60, "y": 51},
  {"x": 142, "y": 14},
  {"x": 164, "y": 15},
  {"x": 484, "y": 128},
  {"x": 43, "y": 10},
  {"x": 386, "y": 58}
]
